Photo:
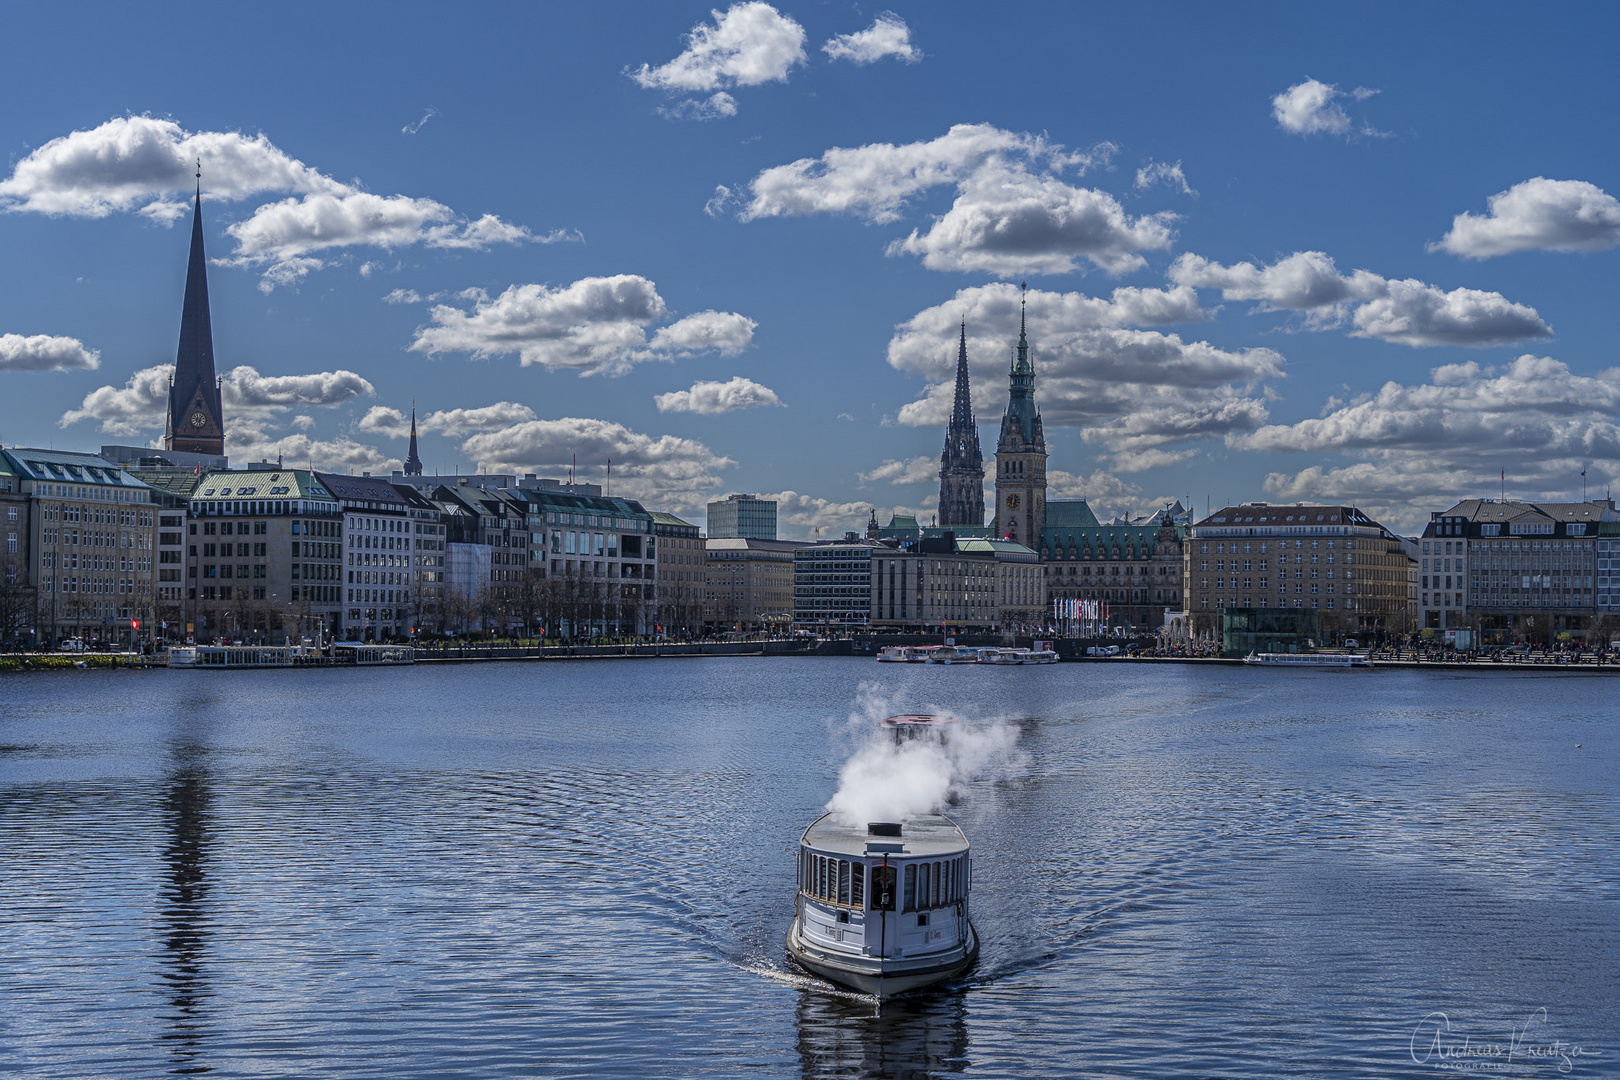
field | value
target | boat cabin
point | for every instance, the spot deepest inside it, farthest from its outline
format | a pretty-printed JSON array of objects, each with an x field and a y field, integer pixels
[{"x": 885, "y": 889}]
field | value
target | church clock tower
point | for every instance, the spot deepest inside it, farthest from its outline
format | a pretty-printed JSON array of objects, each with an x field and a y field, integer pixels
[
  {"x": 196, "y": 420},
  {"x": 1021, "y": 454}
]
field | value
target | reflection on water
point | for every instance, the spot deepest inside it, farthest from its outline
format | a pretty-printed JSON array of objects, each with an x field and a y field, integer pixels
[
  {"x": 908, "y": 1038},
  {"x": 184, "y": 894}
]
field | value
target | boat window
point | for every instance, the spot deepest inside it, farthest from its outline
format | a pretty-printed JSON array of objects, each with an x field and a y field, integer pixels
[
  {"x": 908, "y": 898},
  {"x": 843, "y": 882},
  {"x": 857, "y": 894},
  {"x": 821, "y": 875},
  {"x": 933, "y": 887},
  {"x": 883, "y": 888}
]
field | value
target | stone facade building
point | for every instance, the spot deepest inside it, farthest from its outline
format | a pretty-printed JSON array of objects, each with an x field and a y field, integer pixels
[
  {"x": 1520, "y": 571},
  {"x": 1334, "y": 559},
  {"x": 945, "y": 584},
  {"x": 748, "y": 583},
  {"x": 90, "y": 544},
  {"x": 681, "y": 575},
  {"x": 1136, "y": 569},
  {"x": 264, "y": 557}
]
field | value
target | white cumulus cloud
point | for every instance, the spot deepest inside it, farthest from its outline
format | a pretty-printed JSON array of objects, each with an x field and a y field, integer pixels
[
  {"x": 141, "y": 404},
  {"x": 1169, "y": 174},
  {"x": 717, "y": 397},
  {"x": 1014, "y": 212},
  {"x": 887, "y": 36},
  {"x": 1407, "y": 312},
  {"x": 1537, "y": 215},
  {"x": 456, "y": 423},
  {"x": 917, "y": 470},
  {"x": 747, "y": 45},
  {"x": 803, "y": 515},
  {"x": 664, "y": 470},
  {"x": 1312, "y": 108},
  {"x": 139, "y": 164},
  {"x": 595, "y": 325},
  {"x": 1452, "y": 437},
  {"x": 44, "y": 352}
]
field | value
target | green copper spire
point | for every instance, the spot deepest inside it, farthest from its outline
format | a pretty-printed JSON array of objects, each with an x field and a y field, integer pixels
[{"x": 1021, "y": 362}]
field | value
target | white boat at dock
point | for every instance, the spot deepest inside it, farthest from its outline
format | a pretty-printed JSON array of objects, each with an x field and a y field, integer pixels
[
  {"x": 882, "y": 907},
  {"x": 903, "y": 654},
  {"x": 953, "y": 654},
  {"x": 1309, "y": 660},
  {"x": 236, "y": 657},
  {"x": 1010, "y": 657}
]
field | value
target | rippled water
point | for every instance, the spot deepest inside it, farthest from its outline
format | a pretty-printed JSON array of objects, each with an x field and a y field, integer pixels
[{"x": 586, "y": 868}]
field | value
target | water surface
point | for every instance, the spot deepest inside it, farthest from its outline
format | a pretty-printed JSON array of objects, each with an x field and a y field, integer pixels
[{"x": 586, "y": 868}]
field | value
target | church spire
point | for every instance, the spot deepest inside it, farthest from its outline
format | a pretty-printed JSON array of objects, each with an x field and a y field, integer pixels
[
  {"x": 1021, "y": 360},
  {"x": 196, "y": 421},
  {"x": 961, "y": 466},
  {"x": 962, "y": 409},
  {"x": 413, "y": 464}
]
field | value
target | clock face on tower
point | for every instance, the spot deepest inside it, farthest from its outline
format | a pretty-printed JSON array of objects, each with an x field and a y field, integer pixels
[
  {"x": 1012, "y": 502},
  {"x": 198, "y": 420}
]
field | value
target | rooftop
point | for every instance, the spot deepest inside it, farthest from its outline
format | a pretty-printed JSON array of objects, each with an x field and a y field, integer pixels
[
  {"x": 60, "y": 466},
  {"x": 925, "y": 835},
  {"x": 269, "y": 484}
]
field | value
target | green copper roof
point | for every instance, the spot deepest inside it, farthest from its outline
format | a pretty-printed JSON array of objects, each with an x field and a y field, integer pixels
[{"x": 271, "y": 484}]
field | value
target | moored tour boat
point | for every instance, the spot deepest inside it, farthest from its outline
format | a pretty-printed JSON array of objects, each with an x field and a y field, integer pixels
[
  {"x": 953, "y": 654},
  {"x": 1017, "y": 656},
  {"x": 903, "y": 654},
  {"x": 1309, "y": 660},
  {"x": 882, "y": 907}
]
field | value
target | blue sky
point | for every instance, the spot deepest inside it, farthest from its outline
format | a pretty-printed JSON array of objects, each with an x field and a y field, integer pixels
[{"x": 1359, "y": 253}]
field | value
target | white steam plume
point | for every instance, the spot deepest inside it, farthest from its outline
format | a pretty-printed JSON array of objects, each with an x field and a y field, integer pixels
[{"x": 885, "y": 780}]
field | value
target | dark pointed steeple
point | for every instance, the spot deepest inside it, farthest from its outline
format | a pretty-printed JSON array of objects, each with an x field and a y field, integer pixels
[
  {"x": 961, "y": 466},
  {"x": 413, "y": 464},
  {"x": 196, "y": 419}
]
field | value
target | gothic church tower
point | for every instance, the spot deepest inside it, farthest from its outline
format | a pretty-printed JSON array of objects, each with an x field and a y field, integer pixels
[
  {"x": 961, "y": 466},
  {"x": 1021, "y": 454},
  {"x": 196, "y": 419}
]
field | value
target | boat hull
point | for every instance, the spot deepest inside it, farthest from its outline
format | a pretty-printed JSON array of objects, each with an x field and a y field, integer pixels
[{"x": 881, "y": 977}]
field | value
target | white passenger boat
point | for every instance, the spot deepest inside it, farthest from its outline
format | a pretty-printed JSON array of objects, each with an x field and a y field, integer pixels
[
  {"x": 882, "y": 907},
  {"x": 903, "y": 654},
  {"x": 953, "y": 654},
  {"x": 1309, "y": 660},
  {"x": 1017, "y": 656}
]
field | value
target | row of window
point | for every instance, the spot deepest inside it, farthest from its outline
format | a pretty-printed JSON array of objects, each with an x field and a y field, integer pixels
[
  {"x": 1282, "y": 545},
  {"x": 922, "y": 886}
]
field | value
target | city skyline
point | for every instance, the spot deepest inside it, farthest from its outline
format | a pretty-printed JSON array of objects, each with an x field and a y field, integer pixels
[{"x": 1305, "y": 263}]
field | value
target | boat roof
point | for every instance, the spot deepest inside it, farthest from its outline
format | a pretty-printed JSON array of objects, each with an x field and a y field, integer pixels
[
  {"x": 921, "y": 836},
  {"x": 918, "y": 720}
]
